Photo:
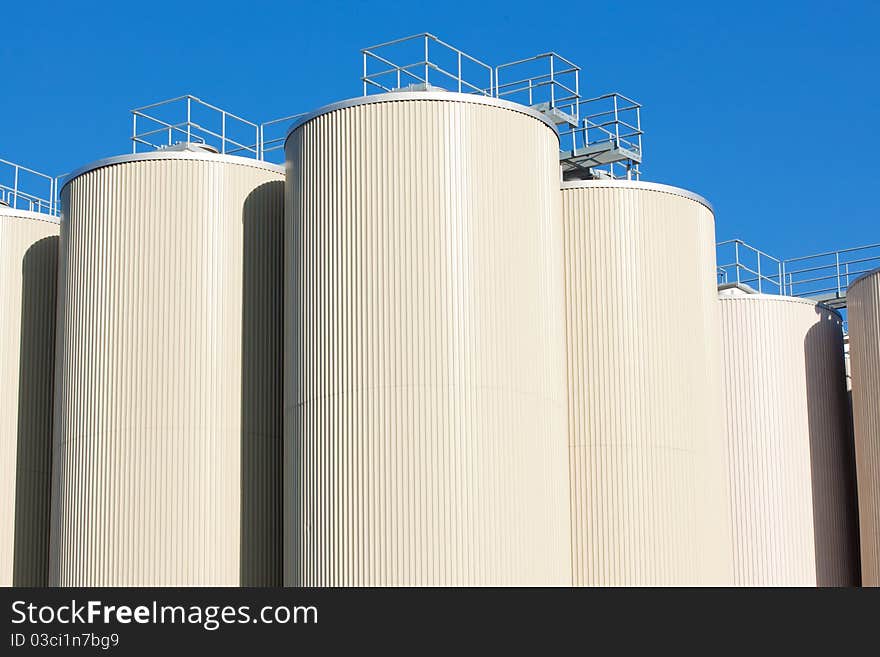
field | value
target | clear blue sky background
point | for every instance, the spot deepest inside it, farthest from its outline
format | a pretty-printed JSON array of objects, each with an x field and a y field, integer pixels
[{"x": 769, "y": 109}]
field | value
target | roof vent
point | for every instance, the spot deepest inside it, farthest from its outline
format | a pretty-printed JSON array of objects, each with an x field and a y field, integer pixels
[
  {"x": 735, "y": 289},
  {"x": 421, "y": 87},
  {"x": 194, "y": 147}
]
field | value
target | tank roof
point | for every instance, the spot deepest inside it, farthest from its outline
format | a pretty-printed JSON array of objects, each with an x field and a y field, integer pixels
[
  {"x": 639, "y": 184},
  {"x": 167, "y": 154},
  {"x": 409, "y": 96},
  {"x": 740, "y": 294},
  {"x": 7, "y": 211}
]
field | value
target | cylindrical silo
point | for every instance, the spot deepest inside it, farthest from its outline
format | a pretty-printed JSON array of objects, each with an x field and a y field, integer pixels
[
  {"x": 649, "y": 503},
  {"x": 863, "y": 299},
  {"x": 28, "y": 275},
  {"x": 789, "y": 444},
  {"x": 424, "y": 391},
  {"x": 168, "y": 389}
]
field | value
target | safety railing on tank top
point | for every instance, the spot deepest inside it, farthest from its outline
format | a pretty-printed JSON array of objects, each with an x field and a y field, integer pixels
[
  {"x": 547, "y": 81},
  {"x": 744, "y": 264},
  {"x": 828, "y": 275},
  {"x": 273, "y": 135},
  {"x": 187, "y": 119},
  {"x": 23, "y": 188},
  {"x": 611, "y": 124},
  {"x": 421, "y": 61}
]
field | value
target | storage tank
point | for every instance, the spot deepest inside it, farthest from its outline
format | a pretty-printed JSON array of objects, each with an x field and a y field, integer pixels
[
  {"x": 168, "y": 400},
  {"x": 425, "y": 414},
  {"x": 863, "y": 299},
  {"x": 28, "y": 274},
  {"x": 789, "y": 444},
  {"x": 649, "y": 503}
]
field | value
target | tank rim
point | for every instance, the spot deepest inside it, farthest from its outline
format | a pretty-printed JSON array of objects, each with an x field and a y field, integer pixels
[
  {"x": 171, "y": 155},
  {"x": 639, "y": 184},
  {"x": 6, "y": 211},
  {"x": 403, "y": 96},
  {"x": 782, "y": 298}
]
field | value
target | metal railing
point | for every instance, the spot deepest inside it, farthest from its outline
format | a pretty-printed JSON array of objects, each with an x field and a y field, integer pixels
[
  {"x": 554, "y": 83},
  {"x": 828, "y": 274},
  {"x": 26, "y": 189},
  {"x": 605, "y": 130},
  {"x": 744, "y": 264},
  {"x": 273, "y": 134},
  {"x": 427, "y": 61},
  {"x": 821, "y": 276},
  {"x": 613, "y": 120},
  {"x": 191, "y": 120}
]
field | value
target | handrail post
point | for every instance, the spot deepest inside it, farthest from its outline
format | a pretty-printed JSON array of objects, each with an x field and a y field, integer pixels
[
  {"x": 189, "y": 120},
  {"x": 222, "y": 132},
  {"x": 552, "y": 85},
  {"x": 617, "y": 128},
  {"x": 639, "y": 127},
  {"x": 837, "y": 271},
  {"x": 760, "y": 289},
  {"x": 15, "y": 188},
  {"x": 426, "y": 63},
  {"x": 736, "y": 259},
  {"x": 134, "y": 123},
  {"x": 365, "y": 72}
]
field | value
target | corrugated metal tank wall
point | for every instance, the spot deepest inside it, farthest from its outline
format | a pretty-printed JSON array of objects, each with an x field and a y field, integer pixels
[
  {"x": 792, "y": 486},
  {"x": 863, "y": 299},
  {"x": 168, "y": 393},
  {"x": 425, "y": 378},
  {"x": 648, "y": 500},
  {"x": 28, "y": 275}
]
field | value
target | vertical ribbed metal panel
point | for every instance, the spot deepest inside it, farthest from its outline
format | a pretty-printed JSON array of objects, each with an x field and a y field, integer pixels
[
  {"x": 28, "y": 274},
  {"x": 424, "y": 339},
  {"x": 863, "y": 298},
  {"x": 168, "y": 425},
  {"x": 649, "y": 504},
  {"x": 792, "y": 487}
]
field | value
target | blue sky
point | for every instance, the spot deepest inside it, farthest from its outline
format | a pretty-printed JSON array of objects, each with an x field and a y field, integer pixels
[{"x": 770, "y": 110}]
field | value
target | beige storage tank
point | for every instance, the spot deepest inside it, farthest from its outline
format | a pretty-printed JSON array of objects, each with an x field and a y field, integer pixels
[
  {"x": 168, "y": 390},
  {"x": 425, "y": 415},
  {"x": 789, "y": 444},
  {"x": 649, "y": 504},
  {"x": 863, "y": 299},
  {"x": 28, "y": 275}
]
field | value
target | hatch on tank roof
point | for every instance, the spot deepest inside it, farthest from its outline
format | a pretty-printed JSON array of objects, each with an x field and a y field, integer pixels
[{"x": 194, "y": 147}]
